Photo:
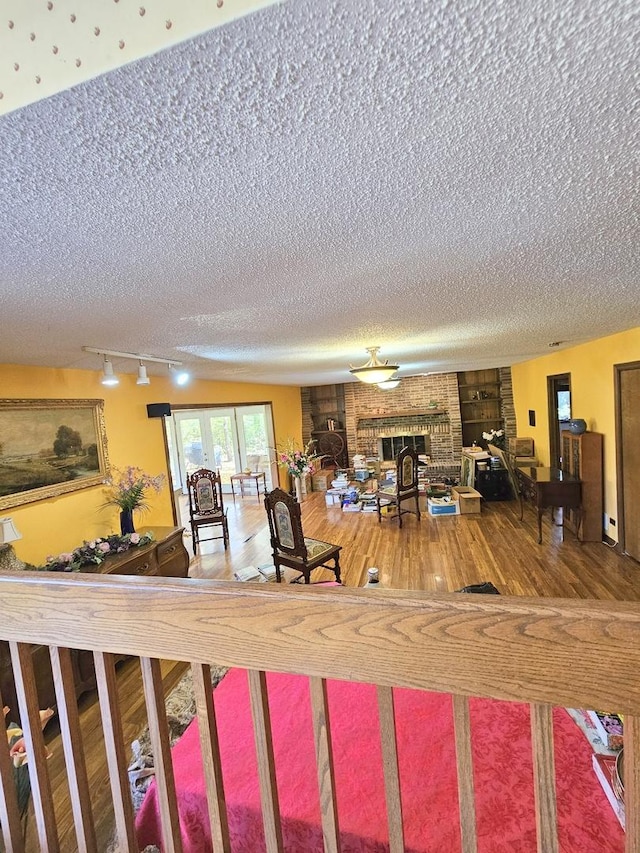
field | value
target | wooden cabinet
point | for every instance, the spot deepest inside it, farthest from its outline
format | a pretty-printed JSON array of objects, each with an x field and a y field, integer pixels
[
  {"x": 480, "y": 404},
  {"x": 582, "y": 457},
  {"x": 166, "y": 556}
]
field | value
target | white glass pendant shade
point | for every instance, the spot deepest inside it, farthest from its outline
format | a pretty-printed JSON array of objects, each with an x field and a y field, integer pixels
[{"x": 374, "y": 371}]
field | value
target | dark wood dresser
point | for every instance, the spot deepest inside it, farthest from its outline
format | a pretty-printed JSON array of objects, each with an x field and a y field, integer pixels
[{"x": 166, "y": 556}]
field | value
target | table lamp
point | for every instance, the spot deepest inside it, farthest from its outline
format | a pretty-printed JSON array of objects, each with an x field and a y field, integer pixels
[{"x": 9, "y": 533}]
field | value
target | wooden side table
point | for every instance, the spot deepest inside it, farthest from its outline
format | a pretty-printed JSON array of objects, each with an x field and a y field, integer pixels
[{"x": 256, "y": 476}]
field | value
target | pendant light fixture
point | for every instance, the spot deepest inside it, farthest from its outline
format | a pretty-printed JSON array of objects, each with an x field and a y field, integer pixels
[
  {"x": 390, "y": 384},
  {"x": 374, "y": 371}
]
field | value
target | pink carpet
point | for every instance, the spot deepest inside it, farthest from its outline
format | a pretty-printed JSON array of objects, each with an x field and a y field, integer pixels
[{"x": 502, "y": 761}]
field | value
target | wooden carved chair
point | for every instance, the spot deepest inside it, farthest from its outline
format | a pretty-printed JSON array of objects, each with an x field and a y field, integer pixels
[
  {"x": 206, "y": 508},
  {"x": 290, "y": 546},
  {"x": 406, "y": 487}
]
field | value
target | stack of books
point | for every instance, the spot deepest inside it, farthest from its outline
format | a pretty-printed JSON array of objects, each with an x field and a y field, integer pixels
[
  {"x": 256, "y": 574},
  {"x": 605, "y": 734},
  {"x": 368, "y": 502}
]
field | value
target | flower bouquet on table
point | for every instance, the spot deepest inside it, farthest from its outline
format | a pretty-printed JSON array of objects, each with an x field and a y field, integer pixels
[
  {"x": 298, "y": 463},
  {"x": 495, "y": 437},
  {"x": 127, "y": 490}
]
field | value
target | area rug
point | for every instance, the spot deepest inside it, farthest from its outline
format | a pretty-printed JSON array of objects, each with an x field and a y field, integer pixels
[{"x": 502, "y": 767}]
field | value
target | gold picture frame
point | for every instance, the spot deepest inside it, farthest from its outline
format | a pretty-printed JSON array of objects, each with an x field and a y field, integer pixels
[{"x": 49, "y": 448}]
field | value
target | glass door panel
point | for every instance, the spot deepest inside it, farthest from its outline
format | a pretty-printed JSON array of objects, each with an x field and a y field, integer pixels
[{"x": 221, "y": 434}]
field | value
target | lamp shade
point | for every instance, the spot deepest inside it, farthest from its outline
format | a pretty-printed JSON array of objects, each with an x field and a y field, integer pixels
[
  {"x": 8, "y": 531},
  {"x": 389, "y": 385},
  {"x": 374, "y": 371}
]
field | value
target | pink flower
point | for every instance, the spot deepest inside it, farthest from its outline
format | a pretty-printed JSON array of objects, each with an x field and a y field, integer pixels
[
  {"x": 104, "y": 547},
  {"x": 135, "y": 538}
]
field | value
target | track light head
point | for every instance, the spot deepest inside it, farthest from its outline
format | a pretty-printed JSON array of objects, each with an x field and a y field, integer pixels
[
  {"x": 142, "y": 379},
  {"x": 180, "y": 377},
  {"x": 108, "y": 376}
]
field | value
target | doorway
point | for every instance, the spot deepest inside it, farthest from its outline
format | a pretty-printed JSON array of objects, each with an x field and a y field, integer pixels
[
  {"x": 627, "y": 397},
  {"x": 559, "y": 400},
  {"x": 226, "y": 439}
]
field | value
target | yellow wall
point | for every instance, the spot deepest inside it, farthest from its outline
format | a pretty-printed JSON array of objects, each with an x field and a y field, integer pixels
[
  {"x": 592, "y": 397},
  {"x": 59, "y": 524}
]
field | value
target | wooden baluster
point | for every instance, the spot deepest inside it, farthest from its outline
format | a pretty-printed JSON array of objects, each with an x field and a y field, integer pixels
[
  {"x": 211, "y": 763},
  {"x": 159, "y": 734},
  {"x": 266, "y": 763},
  {"x": 464, "y": 763},
  {"x": 544, "y": 777},
  {"x": 324, "y": 764},
  {"x": 25, "y": 682},
  {"x": 390, "y": 768},
  {"x": 71, "y": 733},
  {"x": 9, "y": 811},
  {"x": 114, "y": 744}
]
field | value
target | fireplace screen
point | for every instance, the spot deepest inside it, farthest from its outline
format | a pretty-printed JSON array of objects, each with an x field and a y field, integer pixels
[{"x": 392, "y": 445}]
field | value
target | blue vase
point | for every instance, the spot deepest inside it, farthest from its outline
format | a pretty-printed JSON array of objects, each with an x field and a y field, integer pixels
[
  {"x": 577, "y": 426},
  {"x": 126, "y": 522}
]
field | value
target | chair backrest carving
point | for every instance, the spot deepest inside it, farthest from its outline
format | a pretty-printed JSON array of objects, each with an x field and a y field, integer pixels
[
  {"x": 205, "y": 492},
  {"x": 285, "y": 523},
  {"x": 407, "y": 468}
]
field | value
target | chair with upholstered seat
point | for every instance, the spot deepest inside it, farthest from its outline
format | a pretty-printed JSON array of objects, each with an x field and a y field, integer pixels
[
  {"x": 406, "y": 487},
  {"x": 206, "y": 508},
  {"x": 290, "y": 546}
]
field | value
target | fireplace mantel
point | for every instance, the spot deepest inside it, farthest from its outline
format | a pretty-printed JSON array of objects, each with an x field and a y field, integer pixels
[{"x": 402, "y": 413}]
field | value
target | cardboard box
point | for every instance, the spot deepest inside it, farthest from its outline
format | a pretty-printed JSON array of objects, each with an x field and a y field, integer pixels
[
  {"x": 468, "y": 498},
  {"x": 523, "y": 461},
  {"x": 438, "y": 506},
  {"x": 521, "y": 446},
  {"x": 320, "y": 482}
]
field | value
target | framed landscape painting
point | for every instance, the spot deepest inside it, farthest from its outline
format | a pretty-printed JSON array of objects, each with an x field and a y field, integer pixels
[{"x": 50, "y": 447}]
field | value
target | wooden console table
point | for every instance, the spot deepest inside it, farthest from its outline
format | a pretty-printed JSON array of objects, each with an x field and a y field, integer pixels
[
  {"x": 549, "y": 488},
  {"x": 166, "y": 556}
]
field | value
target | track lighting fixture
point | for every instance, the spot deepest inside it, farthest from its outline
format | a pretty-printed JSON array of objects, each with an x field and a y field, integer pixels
[
  {"x": 108, "y": 376},
  {"x": 180, "y": 377},
  {"x": 142, "y": 379}
]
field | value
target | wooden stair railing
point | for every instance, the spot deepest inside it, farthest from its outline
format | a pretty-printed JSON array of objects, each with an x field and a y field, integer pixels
[{"x": 542, "y": 651}]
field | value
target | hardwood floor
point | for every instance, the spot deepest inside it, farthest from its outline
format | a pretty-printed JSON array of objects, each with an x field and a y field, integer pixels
[
  {"x": 437, "y": 554},
  {"x": 434, "y": 554}
]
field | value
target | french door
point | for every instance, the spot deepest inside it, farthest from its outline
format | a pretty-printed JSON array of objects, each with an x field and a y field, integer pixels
[{"x": 227, "y": 440}]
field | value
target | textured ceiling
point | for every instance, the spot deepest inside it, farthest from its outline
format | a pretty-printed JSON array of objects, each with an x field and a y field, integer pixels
[{"x": 454, "y": 181}]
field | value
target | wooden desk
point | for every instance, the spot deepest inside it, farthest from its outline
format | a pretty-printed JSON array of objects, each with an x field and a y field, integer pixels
[
  {"x": 242, "y": 478},
  {"x": 549, "y": 488}
]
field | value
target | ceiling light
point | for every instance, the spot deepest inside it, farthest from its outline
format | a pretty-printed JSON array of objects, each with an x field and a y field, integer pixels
[
  {"x": 108, "y": 376},
  {"x": 180, "y": 377},
  {"x": 374, "y": 371},
  {"x": 142, "y": 379},
  {"x": 389, "y": 385}
]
